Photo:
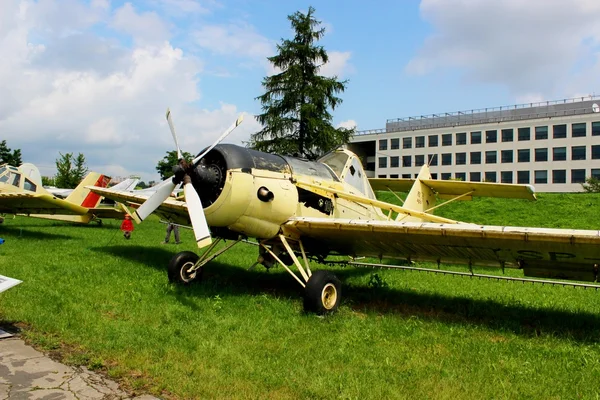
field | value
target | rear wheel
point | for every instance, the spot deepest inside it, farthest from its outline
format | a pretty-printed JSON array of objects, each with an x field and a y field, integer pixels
[
  {"x": 179, "y": 266},
  {"x": 322, "y": 293}
]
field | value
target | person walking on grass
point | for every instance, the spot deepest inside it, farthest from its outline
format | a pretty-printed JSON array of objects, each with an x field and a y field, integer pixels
[{"x": 171, "y": 227}]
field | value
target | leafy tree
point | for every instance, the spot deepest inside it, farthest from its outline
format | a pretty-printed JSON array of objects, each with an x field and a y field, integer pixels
[
  {"x": 295, "y": 105},
  {"x": 165, "y": 166},
  {"x": 70, "y": 170},
  {"x": 48, "y": 181},
  {"x": 141, "y": 185},
  {"x": 591, "y": 185},
  {"x": 9, "y": 157}
]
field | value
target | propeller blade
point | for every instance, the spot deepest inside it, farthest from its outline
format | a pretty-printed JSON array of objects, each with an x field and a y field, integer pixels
[
  {"x": 162, "y": 193},
  {"x": 223, "y": 136},
  {"x": 170, "y": 121},
  {"x": 196, "y": 211}
]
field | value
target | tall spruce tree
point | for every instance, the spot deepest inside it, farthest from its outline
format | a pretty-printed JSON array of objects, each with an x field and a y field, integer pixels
[
  {"x": 8, "y": 156},
  {"x": 296, "y": 118},
  {"x": 70, "y": 170}
]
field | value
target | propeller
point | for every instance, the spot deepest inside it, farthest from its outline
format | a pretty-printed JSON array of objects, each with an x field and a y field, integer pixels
[{"x": 183, "y": 170}]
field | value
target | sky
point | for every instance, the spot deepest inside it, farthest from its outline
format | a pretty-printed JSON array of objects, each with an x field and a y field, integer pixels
[{"x": 96, "y": 76}]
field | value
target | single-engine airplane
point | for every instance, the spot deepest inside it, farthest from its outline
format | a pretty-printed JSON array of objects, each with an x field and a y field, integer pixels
[
  {"x": 22, "y": 193},
  {"x": 298, "y": 209}
]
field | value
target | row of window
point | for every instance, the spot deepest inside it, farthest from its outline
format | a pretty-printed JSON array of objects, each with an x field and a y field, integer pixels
[
  {"x": 491, "y": 136},
  {"x": 491, "y": 157},
  {"x": 523, "y": 177}
]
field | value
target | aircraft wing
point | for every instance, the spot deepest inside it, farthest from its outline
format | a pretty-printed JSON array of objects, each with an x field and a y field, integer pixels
[
  {"x": 32, "y": 203},
  {"x": 170, "y": 209},
  {"x": 548, "y": 253},
  {"x": 450, "y": 189}
]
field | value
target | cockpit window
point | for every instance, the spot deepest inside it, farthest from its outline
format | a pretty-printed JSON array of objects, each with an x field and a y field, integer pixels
[
  {"x": 310, "y": 168},
  {"x": 28, "y": 185},
  {"x": 4, "y": 174},
  {"x": 15, "y": 179},
  {"x": 336, "y": 161}
]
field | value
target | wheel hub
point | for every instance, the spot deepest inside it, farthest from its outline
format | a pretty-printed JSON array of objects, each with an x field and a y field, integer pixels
[
  {"x": 186, "y": 275},
  {"x": 329, "y": 296}
]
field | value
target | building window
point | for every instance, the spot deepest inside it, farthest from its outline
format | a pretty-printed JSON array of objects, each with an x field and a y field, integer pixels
[
  {"x": 596, "y": 152},
  {"x": 491, "y": 157},
  {"x": 406, "y": 176},
  {"x": 433, "y": 141},
  {"x": 382, "y": 176},
  {"x": 447, "y": 139},
  {"x": 475, "y": 137},
  {"x": 541, "y": 155},
  {"x": 541, "y": 132},
  {"x": 394, "y": 176},
  {"x": 394, "y": 162},
  {"x": 506, "y": 177},
  {"x": 433, "y": 176},
  {"x": 578, "y": 153},
  {"x": 446, "y": 176},
  {"x": 596, "y": 128},
  {"x": 382, "y": 162},
  {"x": 406, "y": 161},
  {"x": 578, "y": 130},
  {"x": 540, "y": 176},
  {"x": 447, "y": 159},
  {"x": 559, "y": 176},
  {"x": 524, "y": 133},
  {"x": 475, "y": 157},
  {"x": 407, "y": 143},
  {"x": 461, "y": 158},
  {"x": 461, "y": 138},
  {"x": 461, "y": 176},
  {"x": 578, "y": 176},
  {"x": 395, "y": 144},
  {"x": 371, "y": 166},
  {"x": 507, "y": 135},
  {"x": 383, "y": 144},
  {"x": 419, "y": 160},
  {"x": 475, "y": 176},
  {"x": 420, "y": 141},
  {"x": 491, "y": 136},
  {"x": 433, "y": 159},
  {"x": 490, "y": 176},
  {"x": 506, "y": 156},
  {"x": 559, "y": 131},
  {"x": 596, "y": 173},
  {"x": 559, "y": 154},
  {"x": 523, "y": 155},
  {"x": 523, "y": 177}
]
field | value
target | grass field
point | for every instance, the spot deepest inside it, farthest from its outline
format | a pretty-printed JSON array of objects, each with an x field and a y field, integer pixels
[{"x": 95, "y": 299}]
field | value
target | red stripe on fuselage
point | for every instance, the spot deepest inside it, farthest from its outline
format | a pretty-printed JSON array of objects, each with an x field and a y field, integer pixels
[{"x": 92, "y": 199}]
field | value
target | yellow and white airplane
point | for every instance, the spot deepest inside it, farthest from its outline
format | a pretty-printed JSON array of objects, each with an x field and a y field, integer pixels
[
  {"x": 21, "y": 193},
  {"x": 299, "y": 210}
]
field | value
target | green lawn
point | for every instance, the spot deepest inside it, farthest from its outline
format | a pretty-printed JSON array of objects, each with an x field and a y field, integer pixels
[{"x": 98, "y": 300}]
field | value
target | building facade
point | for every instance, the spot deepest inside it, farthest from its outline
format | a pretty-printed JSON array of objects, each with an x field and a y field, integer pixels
[{"x": 554, "y": 145}]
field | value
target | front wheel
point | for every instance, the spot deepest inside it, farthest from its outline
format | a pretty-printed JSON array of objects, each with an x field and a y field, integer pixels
[
  {"x": 322, "y": 293},
  {"x": 179, "y": 266}
]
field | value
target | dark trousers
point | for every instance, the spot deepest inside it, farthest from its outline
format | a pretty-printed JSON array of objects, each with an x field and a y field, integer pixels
[{"x": 175, "y": 229}]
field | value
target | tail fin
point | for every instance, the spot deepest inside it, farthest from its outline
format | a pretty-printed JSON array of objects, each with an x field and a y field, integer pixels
[
  {"x": 84, "y": 197},
  {"x": 128, "y": 184},
  {"x": 420, "y": 197}
]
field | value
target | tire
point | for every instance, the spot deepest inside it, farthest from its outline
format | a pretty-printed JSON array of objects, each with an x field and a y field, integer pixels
[
  {"x": 177, "y": 270},
  {"x": 322, "y": 293}
]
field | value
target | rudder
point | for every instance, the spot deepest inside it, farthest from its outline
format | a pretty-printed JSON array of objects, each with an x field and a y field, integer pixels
[{"x": 83, "y": 196}]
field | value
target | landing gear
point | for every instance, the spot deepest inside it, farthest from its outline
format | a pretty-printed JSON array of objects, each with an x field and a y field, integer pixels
[
  {"x": 186, "y": 266},
  {"x": 181, "y": 268},
  {"x": 322, "y": 289},
  {"x": 322, "y": 293}
]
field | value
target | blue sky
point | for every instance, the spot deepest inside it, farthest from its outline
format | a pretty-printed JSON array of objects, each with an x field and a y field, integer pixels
[{"x": 96, "y": 76}]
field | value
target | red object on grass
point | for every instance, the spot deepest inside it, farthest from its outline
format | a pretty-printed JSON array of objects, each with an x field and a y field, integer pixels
[{"x": 127, "y": 225}]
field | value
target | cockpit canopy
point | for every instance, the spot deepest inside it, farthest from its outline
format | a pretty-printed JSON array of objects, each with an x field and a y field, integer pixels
[
  {"x": 348, "y": 168},
  {"x": 10, "y": 175}
]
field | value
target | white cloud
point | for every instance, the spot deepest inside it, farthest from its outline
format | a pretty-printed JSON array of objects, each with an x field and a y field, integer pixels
[
  {"x": 338, "y": 64},
  {"x": 239, "y": 40},
  {"x": 146, "y": 27},
  {"x": 72, "y": 90},
  {"x": 349, "y": 124},
  {"x": 536, "y": 46}
]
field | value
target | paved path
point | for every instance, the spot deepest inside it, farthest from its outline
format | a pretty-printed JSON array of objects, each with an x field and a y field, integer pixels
[{"x": 25, "y": 373}]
